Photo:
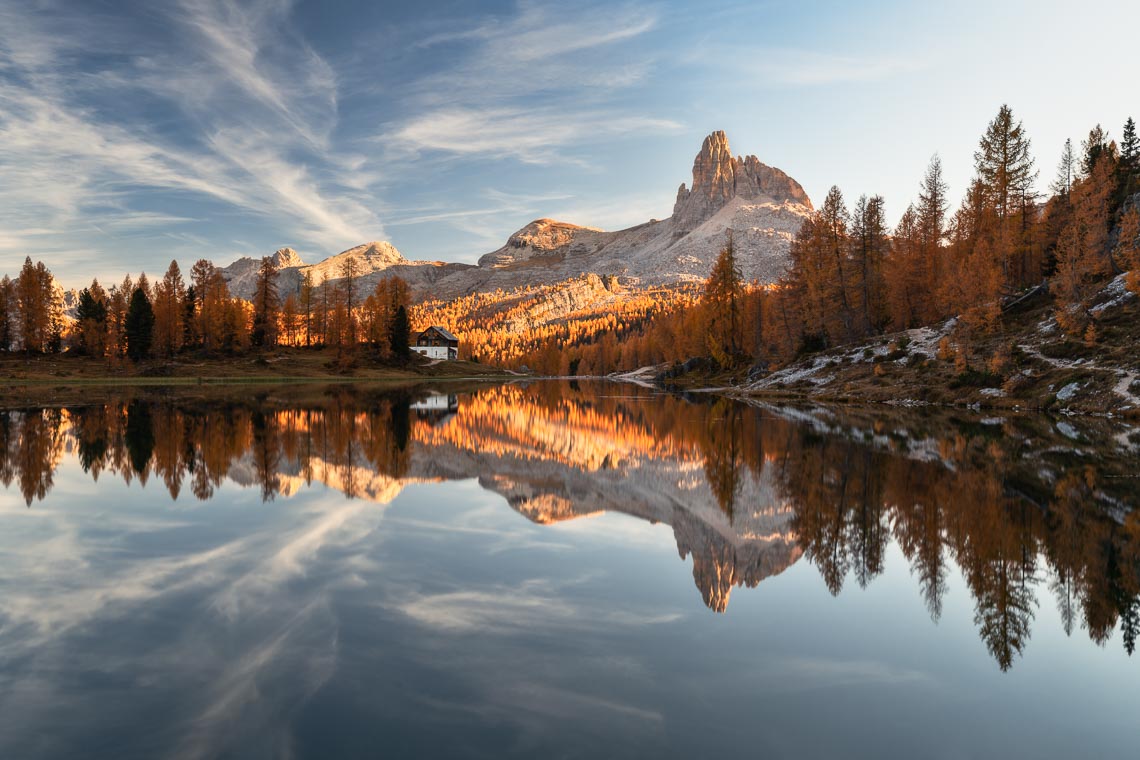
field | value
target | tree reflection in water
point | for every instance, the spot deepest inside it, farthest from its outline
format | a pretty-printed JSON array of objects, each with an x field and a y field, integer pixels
[{"x": 747, "y": 489}]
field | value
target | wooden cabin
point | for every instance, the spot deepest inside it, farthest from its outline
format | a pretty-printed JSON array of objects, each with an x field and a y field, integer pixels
[{"x": 437, "y": 343}]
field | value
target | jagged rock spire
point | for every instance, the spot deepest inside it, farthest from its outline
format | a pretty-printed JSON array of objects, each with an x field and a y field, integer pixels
[{"x": 718, "y": 178}]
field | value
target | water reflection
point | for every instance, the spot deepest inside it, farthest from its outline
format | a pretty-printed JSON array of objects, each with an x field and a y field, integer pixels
[{"x": 1027, "y": 509}]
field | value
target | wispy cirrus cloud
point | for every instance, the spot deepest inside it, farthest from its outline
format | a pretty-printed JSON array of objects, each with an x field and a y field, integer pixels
[
  {"x": 506, "y": 132},
  {"x": 214, "y": 110},
  {"x": 796, "y": 67},
  {"x": 530, "y": 86}
]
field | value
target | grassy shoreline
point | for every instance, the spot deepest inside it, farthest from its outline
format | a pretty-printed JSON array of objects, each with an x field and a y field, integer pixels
[{"x": 63, "y": 380}]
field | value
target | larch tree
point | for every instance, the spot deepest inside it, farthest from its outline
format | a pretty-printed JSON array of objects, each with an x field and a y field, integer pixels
[
  {"x": 118, "y": 301},
  {"x": 905, "y": 272},
  {"x": 1006, "y": 171},
  {"x": 306, "y": 305},
  {"x": 169, "y": 296},
  {"x": 1128, "y": 247},
  {"x": 723, "y": 297},
  {"x": 34, "y": 298},
  {"x": 290, "y": 320},
  {"x": 214, "y": 318},
  {"x": 932, "y": 208},
  {"x": 840, "y": 275},
  {"x": 870, "y": 244},
  {"x": 975, "y": 278},
  {"x": 346, "y": 302},
  {"x": 1066, "y": 168}
]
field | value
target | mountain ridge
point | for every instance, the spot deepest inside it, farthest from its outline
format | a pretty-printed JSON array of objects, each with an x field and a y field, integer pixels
[{"x": 761, "y": 205}]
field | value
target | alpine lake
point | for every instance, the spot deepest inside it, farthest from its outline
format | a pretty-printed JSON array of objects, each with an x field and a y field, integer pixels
[{"x": 562, "y": 570}]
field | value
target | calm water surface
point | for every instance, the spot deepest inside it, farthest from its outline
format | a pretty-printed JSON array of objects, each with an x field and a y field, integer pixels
[{"x": 563, "y": 570}]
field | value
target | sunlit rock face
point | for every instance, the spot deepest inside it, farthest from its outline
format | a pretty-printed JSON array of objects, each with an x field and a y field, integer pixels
[
  {"x": 719, "y": 563},
  {"x": 368, "y": 263},
  {"x": 760, "y": 205},
  {"x": 718, "y": 177}
]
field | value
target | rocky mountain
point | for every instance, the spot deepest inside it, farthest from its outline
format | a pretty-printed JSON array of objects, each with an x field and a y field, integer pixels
[
  {"x": 370, "y": 262},
  {"x": 761, "y": 205}
]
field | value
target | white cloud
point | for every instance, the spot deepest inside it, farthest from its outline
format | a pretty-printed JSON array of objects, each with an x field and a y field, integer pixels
[
  {"x": 527, "y": 135},
  {"x": 256, "y": 117}
]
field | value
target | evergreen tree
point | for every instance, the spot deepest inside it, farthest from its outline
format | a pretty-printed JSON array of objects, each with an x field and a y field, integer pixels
[
  {"x": 139, "y": 326},
  {"x": 91, "y": 320},
  {"x": 266, "y": 305},
  {"x": 401, "y": 333},
  {"x": 1130, "y": 145},
  {"x": 191, "y": 337},
  {"x": 8, "y": 313},
  {"x": 1063, "y": 183},
  {"x": 1129, "y": 167},
  {"x": 1095, "y": 144}
]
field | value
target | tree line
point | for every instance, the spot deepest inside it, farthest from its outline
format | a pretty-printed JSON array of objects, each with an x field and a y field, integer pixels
[
  {"x": 137, "y": 320},
  {"x": 852, "y": 276}
]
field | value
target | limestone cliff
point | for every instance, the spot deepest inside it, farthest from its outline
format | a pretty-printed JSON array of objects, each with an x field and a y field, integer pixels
[{"x": 762, "y": 206}]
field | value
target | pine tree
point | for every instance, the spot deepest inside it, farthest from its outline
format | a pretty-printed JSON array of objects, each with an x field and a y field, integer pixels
[
  {"x": 1130, "y": 145},
  {"x": 266, "y": 305},
  {"x": 139, "y": 326},
  {"x": 91, "y": 320},
  {"x": 1129, "y": 167},
  {"x": 1095, "y": 144},
  {"x": 191, "y": 337},
  {"x": 8, "y": 312},
  {"x": 401, "y": 333}
]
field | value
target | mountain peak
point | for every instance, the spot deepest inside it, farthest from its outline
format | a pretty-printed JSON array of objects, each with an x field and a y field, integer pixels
[
  {"x": 286, "y": 257},
  {"x": 377, "y": 254},
  {"x": 718, "y": 178}
]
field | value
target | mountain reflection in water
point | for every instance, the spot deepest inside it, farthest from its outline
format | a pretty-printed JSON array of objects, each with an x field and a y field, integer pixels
[{"x": 1024, "y": 512}]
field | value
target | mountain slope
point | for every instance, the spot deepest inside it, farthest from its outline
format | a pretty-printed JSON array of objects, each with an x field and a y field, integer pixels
[{"x": 761, "y": 205}]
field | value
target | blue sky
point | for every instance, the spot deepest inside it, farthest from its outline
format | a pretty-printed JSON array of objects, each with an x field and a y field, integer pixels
[{"x": 132, "y": 133}]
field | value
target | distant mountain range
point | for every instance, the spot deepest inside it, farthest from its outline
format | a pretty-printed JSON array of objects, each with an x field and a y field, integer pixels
[{"x": 762, "y": 205}]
